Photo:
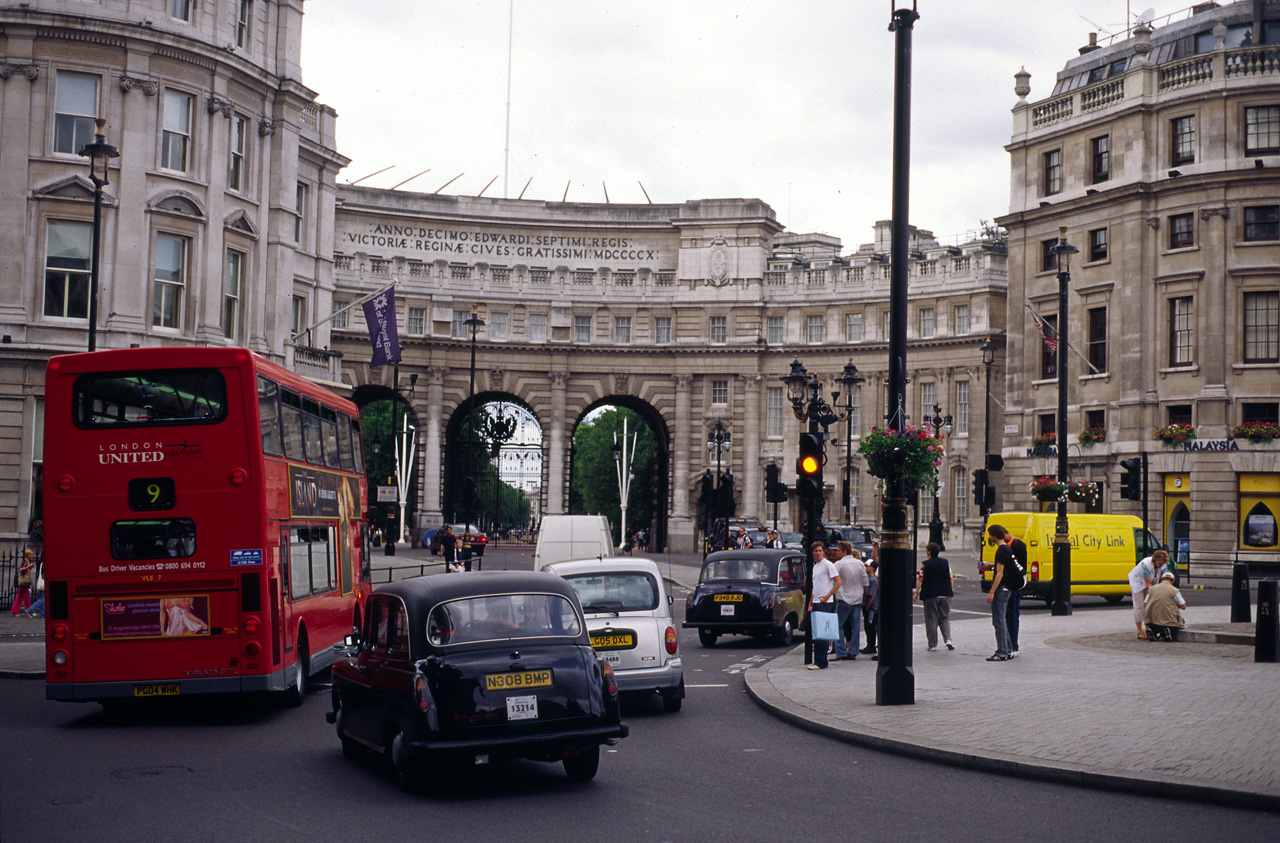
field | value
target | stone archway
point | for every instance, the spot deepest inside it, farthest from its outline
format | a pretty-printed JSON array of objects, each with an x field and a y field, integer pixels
[{"x": 484, "y": 473}]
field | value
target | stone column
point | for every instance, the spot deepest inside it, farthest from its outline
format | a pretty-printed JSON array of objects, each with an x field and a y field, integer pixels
[
  {"x": 752, "y": 476},
  {"x": 682, "y": 531},
  {"x": 557, "y": 456},
  {"x": 432, "y": 511}
]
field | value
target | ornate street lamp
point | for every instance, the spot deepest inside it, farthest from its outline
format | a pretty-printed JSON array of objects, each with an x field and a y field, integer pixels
[
  {"x": 719, "y": 441},
  {"x": 1060, "y": 591},
  {"x": 940, "y": 426},
  {"x": 99, "y": 154},
  {"x": 469, "y": 482},
  {"x": 849, "y": 379},
  {"x": 988, "y": 357}
]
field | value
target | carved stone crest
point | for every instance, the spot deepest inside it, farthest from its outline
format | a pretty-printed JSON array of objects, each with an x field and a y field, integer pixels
[{"x": 718, "y": 264}]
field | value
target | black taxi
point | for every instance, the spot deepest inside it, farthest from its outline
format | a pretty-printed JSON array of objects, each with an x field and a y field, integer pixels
[
  {"x": 471, "y": 668},
  {"x": 747, "y": 592}
]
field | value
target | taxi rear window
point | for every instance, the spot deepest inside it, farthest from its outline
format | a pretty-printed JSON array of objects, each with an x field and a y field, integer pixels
[
  {"x": 739, "y": 570},
  {"x": 615, "y": 591},
  {"x": 501, "y": 617}
]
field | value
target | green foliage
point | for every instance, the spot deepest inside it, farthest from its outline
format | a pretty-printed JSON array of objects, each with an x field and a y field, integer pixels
[{"x": 594, "y": 487}]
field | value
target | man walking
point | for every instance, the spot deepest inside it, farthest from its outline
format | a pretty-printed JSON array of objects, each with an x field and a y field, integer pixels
[
  {"x": 826, "y": 581},
  {"x": 1008, "y": 577},
  {"x": 853, "y": 585},
  {"x": 936, "y": 590}
]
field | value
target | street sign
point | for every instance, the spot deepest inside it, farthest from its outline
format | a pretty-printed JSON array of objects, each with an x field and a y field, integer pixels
[{"x": 387, "y": 494}]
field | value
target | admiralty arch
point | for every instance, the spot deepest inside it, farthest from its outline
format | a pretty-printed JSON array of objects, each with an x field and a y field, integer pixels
[{"x": 687, "y": 313}]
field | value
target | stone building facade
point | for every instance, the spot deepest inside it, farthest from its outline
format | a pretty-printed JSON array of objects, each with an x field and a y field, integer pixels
[
  {"x": 689, "y": 314},
  {"x": 1159, "y": 155},
  {"x": 217, "y": 220}
]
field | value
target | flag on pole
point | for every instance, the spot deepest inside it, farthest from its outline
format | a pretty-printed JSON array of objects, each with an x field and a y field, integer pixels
[
  {"x": 1050, "y": 345},
  {"x": 380, "y": 314}
]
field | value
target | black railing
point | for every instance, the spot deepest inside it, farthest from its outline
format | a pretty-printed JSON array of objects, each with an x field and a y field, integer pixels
[{"x": 1219, "y": 565}]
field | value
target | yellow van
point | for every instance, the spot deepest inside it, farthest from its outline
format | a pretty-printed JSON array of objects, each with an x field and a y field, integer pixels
[{"x": 1104, "y": 548}]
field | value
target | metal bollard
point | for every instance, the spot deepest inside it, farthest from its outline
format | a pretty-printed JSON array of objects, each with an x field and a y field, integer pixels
[
  {"x": 1267, "y": 637},
  {"x": 1240, "y": 593},
  {"x": 390, "y": 549}
]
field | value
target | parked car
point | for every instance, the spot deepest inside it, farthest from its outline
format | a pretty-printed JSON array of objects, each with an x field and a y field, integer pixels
[
  {"x": 469, "y": 668},
  {"x": 628, "y": 615},
  {"x": 747, "y": 592},
  {"x": 476, "y": 541},
  {"x": 860, "y": 537}
]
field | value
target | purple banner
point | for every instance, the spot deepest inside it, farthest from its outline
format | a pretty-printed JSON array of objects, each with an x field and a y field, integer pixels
[{"x": 380, "y": 314}]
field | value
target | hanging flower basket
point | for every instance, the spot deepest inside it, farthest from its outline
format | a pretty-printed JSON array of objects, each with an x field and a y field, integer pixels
[
  {"x": 1047, "y": 488},
  {"x": 910, "y": 455},
  {"x": 36, "y": 530},
  {"x": 1041, "y": 444},
  {"x": 1086, "y": 492},
  {"x": 1256, "y": 431},
  {"x": 1174, "y": 434},
  {"x": 1091, "y": 435}
]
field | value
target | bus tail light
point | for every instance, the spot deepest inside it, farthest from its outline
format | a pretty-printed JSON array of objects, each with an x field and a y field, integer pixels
[
  {"x": 252, "y": 649},
  {"x": 60, "y": 658},
  {"x": 58, "y": 632},
  {"x": 421, "y": 693},
  {"x": 239, "y": 477},
  {"x": 673, "y": 641},
  {"x": 65, "y": 483},
  {"x": 251, "y": 624}
]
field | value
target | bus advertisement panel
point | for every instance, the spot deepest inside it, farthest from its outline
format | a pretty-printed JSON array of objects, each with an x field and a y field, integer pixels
[{"x": 204, "y": 532}]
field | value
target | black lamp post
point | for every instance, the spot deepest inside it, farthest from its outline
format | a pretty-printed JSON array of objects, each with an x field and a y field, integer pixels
[
  {"x": 849, "y": 379},
  {"x": 99, "y": 154},
  {"x": 936, "y": 526},
  {"x": 719, "y": 440},
  {"x": 988, "y": 357},
  {"x": 807, "y": 403},
  {"x": 469, "y": 483},
  {"x": 1060, "y": 591}
]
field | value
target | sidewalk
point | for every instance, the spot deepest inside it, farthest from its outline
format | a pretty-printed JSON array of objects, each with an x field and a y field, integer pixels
[{"x": 1084, "y": 703}]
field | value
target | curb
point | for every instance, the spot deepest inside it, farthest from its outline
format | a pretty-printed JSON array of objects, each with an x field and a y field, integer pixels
[{"x": 767, "y": 696}]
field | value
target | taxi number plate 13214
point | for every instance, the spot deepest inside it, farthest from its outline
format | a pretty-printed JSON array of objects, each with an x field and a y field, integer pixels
[{"x": 522, "y": 708}]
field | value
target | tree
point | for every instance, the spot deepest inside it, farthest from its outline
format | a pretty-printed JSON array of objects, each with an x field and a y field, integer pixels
[{"x": 594, "y": 485}]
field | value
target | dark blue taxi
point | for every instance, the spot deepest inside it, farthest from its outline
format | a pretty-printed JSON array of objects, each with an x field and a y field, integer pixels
[{"x": 748, "y": 592}]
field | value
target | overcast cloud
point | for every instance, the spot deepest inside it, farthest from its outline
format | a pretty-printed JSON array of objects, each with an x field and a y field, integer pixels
[{"x": 791, "y": 103}]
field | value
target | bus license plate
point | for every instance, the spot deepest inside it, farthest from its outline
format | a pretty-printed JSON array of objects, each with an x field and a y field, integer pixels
[
  {"x": 522, "y": 708},
  {"x": 171, "y": 689}
]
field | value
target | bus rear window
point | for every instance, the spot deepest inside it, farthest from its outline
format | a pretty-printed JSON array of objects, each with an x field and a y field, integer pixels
[
  {"x": 162, "y": 397},
  {"x": 154, "y": 538}
]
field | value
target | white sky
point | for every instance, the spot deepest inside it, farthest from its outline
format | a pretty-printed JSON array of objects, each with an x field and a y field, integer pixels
[{"x": 791, "y": 103}]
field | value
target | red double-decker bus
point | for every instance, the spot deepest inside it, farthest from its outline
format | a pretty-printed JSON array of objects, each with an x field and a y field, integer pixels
[{"x": 204, "y": 524}]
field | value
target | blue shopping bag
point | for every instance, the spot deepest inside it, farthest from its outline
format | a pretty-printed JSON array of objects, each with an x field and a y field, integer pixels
[{"x": 823, "y": 622}]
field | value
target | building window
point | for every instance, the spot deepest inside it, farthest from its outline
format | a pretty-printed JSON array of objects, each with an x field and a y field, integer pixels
[
  {"x": 244, "y": 19},
  {"x": 662, "y": 329},
  {"x": 298, "y": 315},
  {"x": 719, "y": 332},
  {"x": 1098, "y": 244},
  {"x": 817, "y": 329},
  {"x": 1262, "y": 130},
  {"x": 237, "y": 175},
  {"x": 1048, "y": 424},
  {"x": 774, "y": 408},
  {"x": 1260, "y": 411},
  {"x": 584, "y": 277},
  {"x": 340, "y": 311},
  {"x": 458, "y": 325},
  {"x": 1049, "y": 359},
  {"x": 539, "y": 276},
  {"x": 416, "y": 321},
  {"x": 622, "y": 330},
  {"x": 1184, "y": 139},
  {"x": 1095, "y": 418},
  {"x": 1262, "y": 327},
  {"x": 537, "y": 327},
  {"x": 962, "y": 407},
  {"x": 1181, "y": 332},
  {"x": 961, "y": 319},
  {"x": 180, "y": 9},
  {"x": 1182, "y": 231},
  {"x": 171, "y": 280},
  {"x": 66, "y": 269},
  {"x": 853, "y": 327},
  {"x": 776, "y": 335},
  {"x": 231, "y": 280},
  {"x": 300, "y": 212},
  {"x": 719, "y": 392},
  {"x": 176, "y": 143},
  {"x": 75, "y": 109},
  {"x": 1262, "y": 222},
  {"x": 926, "y": 322},
  {"x": 959, "y": 496},
  {"x": 1098, "y": 339},
  {"x": 1101, "y": 158},
  {"x": 928, "y": 397},
  {"x": 497, "y": 325},
  {"x": 582, "y": 329},
  {"x": 1048, "y": 257},
  {"x": 888, "y": 324},
  {"x": 1179, "y": 413},
  {"x": 855, "y": 415},
  {"x": 1053, "y": 172}
]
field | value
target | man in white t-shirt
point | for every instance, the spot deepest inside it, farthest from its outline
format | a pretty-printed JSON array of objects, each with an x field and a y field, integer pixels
[
  {"x": 826, "y": 581},
  {"x": 853, "y": 585}
]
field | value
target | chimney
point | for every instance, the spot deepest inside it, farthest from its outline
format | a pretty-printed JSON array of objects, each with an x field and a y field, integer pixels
[{"x": 1092, "y": 45}]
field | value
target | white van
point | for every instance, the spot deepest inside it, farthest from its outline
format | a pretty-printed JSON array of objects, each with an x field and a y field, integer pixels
[{"x": 565, "y": 537}]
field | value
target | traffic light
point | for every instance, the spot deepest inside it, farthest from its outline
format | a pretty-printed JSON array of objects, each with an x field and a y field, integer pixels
[
  {"x": 726, "y": 494},
  {"x": 1131, "y": 479},
  {"x": 980, "y": 486},
  {"x": 995, "y": 462},
  {"x": 809, "y": 467},
  {"x": 707, "y": 490},
  {"x": 774, "y": 490}
]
